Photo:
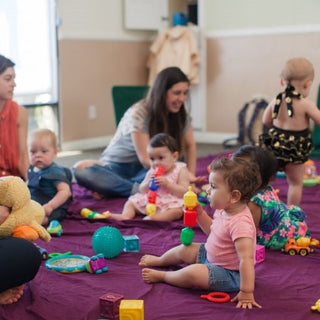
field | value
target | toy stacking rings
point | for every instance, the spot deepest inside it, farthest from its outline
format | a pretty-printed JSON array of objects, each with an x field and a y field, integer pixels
[{"x": 217, "y": 297}]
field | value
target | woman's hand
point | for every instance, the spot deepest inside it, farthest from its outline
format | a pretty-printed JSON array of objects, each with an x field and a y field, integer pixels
[{"x": 197, "y": 179}]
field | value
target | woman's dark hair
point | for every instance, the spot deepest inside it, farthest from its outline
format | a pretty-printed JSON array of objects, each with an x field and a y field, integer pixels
[
  {"x": 268, "y": 164},
  {"x": 160, "y": 120},
  {"x": 5, "y": 63},
  {"x": 164, "y": 140}
]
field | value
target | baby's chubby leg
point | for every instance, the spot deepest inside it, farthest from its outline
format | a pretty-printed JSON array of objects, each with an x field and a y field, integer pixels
[
  {"x": 195, "y": 275},
  {"x": 174, "y": 256},
  {"x": 167, "y": 215},
  {"x": 294, "y": 174},
  {"x": 128, "y": 212}
]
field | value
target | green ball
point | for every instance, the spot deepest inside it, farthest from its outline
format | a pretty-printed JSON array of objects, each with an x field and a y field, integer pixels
[{"x": 108, "y": 241}]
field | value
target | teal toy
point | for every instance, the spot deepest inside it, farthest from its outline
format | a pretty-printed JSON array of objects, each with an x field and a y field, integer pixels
[
  {"x": 55, "y": 228},
  {"x": 108, "y": 241}
]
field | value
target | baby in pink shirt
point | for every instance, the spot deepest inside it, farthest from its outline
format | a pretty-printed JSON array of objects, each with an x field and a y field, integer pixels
[{"x": 226, "y": 261}]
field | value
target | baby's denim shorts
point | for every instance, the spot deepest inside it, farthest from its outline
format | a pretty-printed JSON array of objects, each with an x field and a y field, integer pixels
[{"x": 220, "y": 279}]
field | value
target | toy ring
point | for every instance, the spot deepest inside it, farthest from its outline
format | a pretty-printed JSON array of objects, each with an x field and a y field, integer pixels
[
  {"x": 218, "y": 297},
  {"x": 57, "y": 254},
  {"x": 310, "y": 182},
  {"x": 67, "y": 263}
]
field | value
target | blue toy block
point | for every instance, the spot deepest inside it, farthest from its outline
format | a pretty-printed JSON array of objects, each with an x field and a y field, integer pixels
[{"x": 131, "y": 243}]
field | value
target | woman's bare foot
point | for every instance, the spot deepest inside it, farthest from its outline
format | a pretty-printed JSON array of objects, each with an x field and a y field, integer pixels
[
  {"x": 152, "y": 276},
  {"x": 149, "y": 260},
  {"x": 11, "y": 295}
]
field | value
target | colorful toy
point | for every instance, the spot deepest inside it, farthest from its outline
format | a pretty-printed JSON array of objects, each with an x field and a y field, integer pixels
[
  {"x": 310, "y": 177},
  {"x": 67, "y": 263},
  {"x": 281, "y": 174},
  {"x": 260, "y": 253},
  {"x": 131, "y": 243},
  {"x": 110, "y": 304},
  {"x": 97, "y": 264},
  {"x": 87, "y": 213},
  {"x": 189, "y": 217},
  {"x": 57, "y": 254},
  {"x": 151, "y": 207},
  {"x": 316, "y": 306},
  {"x": 300, "y": 246},
  {"x": 108, "y": 241},
  {"x": 25, "y": 216},
  {"x": 55, "y": 228},
  {"x": 203, "y": 195},
  {"x": 218, "y": 297},
  {"x": 131, "y": 309}
]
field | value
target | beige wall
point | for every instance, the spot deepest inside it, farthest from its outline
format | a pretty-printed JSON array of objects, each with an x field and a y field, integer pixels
[
  {"x": 250, "y": 14},
  {"x": 242, "y": 67},
  {"x": 88, "y": 70},
  {"x": 244, "y": 56}
]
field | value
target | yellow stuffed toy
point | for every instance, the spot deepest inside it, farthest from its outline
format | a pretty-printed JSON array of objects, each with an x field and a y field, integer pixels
[{"x": 25, "y": 215}]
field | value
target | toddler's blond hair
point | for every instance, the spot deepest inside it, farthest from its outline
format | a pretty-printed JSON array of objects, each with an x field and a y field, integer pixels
[
  {"x": 45, "y": 134},
  {"x": 298, "y": 69}
]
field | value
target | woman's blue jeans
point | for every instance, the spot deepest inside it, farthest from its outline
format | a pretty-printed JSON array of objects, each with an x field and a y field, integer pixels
[{"x": 113, "y": 179}]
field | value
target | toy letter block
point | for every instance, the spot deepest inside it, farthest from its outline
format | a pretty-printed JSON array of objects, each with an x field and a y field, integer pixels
[
  {"x": 131, "y": 243},
  {"x": 131, "y": 310},
  {"x": 110, "y": 304},
  {"x": 260, "y": 253}
]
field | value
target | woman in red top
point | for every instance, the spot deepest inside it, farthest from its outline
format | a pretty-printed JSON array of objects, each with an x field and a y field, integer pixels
[{"x": 14, "y": 158}]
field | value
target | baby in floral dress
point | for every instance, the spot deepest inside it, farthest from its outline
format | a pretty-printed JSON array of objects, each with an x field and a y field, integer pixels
[{"x": 275, "y": 221}]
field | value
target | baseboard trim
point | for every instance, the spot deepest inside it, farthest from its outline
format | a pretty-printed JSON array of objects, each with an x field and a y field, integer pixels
[
  {"x": 86, "y": 144},
  {"x": 101, "y": 142},
  {"x": 212, "y": 137}
]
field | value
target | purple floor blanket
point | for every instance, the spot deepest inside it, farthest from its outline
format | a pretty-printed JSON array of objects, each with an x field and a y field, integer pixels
[{"x": 286, "y": 286}]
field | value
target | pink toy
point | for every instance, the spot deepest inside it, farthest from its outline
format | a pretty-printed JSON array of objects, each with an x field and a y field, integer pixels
[
  {"x": 110, "y": 304},
  {"x": 260, "y": 253},
  {"x": 96, "y": 264}
]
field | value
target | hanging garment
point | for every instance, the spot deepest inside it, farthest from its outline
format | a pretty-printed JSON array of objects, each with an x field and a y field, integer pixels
[{"x": 177, "y": 47}]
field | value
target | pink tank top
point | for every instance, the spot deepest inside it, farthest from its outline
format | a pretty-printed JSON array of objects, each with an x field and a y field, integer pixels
[{"x": 9, "y": 139}]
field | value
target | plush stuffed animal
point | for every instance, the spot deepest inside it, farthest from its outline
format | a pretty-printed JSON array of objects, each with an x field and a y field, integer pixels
[{"x": 26, "y": 215}]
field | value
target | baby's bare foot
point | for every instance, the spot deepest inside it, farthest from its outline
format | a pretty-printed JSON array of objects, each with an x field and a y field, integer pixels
[
  {"x": 11, "y": 295},
  {"x": 152, "y": 276},
  {"x": 149, "y": 260}
]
